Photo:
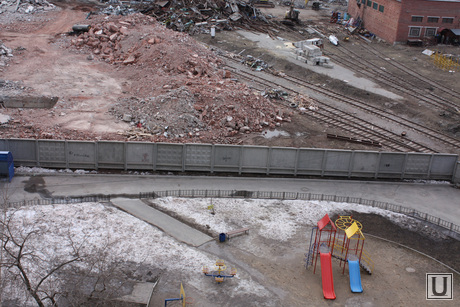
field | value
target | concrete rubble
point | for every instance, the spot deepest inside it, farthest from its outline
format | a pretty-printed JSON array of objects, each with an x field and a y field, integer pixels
[
  {"x": 25, "y": 6},
  {"x": 5, "y": 55}
]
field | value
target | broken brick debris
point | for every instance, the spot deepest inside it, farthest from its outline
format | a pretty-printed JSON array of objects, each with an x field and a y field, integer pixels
[{"x": 186, "y": 98}]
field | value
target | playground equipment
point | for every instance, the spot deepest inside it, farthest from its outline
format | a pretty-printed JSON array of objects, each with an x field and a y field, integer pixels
[
  {"x": 323, "y": 247},
  {"x": 355, "y": 275},
  {"x": 185, "y": 300},
  {"x": 348, "y": 248},
  {"x": 218, "y": 274},
  {"x": 326, "y": 273}
]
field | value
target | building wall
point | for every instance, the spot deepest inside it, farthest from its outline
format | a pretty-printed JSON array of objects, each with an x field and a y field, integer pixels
[
  {"x": 383, "y": 24},
  {"x": 394, "y": 23},
  {"x": 427, "y": 8}
]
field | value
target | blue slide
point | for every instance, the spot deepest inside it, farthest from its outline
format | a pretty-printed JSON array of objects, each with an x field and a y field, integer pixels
[{"x": 355, "y": 276}]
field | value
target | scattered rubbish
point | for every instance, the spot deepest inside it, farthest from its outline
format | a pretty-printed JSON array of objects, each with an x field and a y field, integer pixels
[
  {"x": 333, "y": 39},
  {"x": 428, "y": 52},
  {"x": 263, "y": 3},
  {"x": 268, "y": 134},
  {"x": 274, "y": 94},
  {"x": 195, "y": 17},
  {"x": 80, "y": 28},
  {"x": 303, "y": 103},
  {"x": 255, "y": 63}
]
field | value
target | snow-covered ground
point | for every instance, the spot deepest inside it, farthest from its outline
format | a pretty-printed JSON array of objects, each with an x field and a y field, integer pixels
[{"x": 96, "y": 225}]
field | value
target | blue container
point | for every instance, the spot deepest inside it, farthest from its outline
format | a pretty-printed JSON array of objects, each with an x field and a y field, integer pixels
[
  {"x": 222, "y": 237},
  {"x": 6, "y": 165}
]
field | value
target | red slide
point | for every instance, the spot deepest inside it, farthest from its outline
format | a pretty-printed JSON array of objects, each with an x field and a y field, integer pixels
[{"x": 326, "y": 276}]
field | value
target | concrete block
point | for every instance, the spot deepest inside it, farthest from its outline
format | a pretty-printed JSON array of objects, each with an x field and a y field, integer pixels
[{"x": 34, "y": 102}]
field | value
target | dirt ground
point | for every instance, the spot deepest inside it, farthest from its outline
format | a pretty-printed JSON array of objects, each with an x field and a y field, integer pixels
[
  {"x": 95, "y": 93},
  {"x": 101, "y": 97},
  {"x": 398, "y": 280}
]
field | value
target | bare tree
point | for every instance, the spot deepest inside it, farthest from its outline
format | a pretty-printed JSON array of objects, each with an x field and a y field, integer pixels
[
  {"x": 74, "y": 272},
  {"x": 34, "y": 268}
]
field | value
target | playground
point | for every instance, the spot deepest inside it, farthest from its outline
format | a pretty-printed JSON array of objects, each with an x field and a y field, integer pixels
[
  {"x": 273, "y": 272},
  {"x": 263, "y": 261}
]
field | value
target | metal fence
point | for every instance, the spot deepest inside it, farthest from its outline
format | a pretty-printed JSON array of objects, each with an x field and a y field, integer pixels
[
  {"x": 232, "y": 159},
  {"x": 453, "y": 228}
]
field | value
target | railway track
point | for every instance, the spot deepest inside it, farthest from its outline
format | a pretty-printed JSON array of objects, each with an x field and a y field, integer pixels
[
  {"x": 450, "y": 92},
  {"x": 356, "y": 125},
  {"x": 402, "y": 84},
  {"x": 353, "y": 124}
]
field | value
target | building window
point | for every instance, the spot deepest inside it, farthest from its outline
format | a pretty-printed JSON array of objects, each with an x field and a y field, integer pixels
[
  {"x": 433, "y": 19},
  {"x": 375, "y": 5},
  {"x": 430, "y": 32},
  {"x": 381, "y": 8},
  {"x": 414, "y": 32},
  {"x": 363, "y": 1},
  {"x": 369, "y": 3},
  {"x": 447, "y": 20},
  {"x": 417, "y": 18}
]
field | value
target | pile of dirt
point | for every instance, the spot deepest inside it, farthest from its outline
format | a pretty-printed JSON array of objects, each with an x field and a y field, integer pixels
[{"x": 174, "y": 98}]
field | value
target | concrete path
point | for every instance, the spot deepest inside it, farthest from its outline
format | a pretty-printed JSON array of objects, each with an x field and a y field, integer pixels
[
  {"x": 169, "y": 225},
  {"x": 438, "y": 199}
]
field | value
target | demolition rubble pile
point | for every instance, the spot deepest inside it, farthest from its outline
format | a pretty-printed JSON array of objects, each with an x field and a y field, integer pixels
[
  {"x": 25, "y": 6},
  {"x": 179, "y": 92},
  {"x": 196, "y": 16}
]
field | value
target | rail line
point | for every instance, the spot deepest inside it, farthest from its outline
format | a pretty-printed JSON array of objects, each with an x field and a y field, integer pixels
[
  {"x": 404, "y": 85},
  {"x": 348, "y": 122},
  {"x": 362, "y": 105},
  {"x": 402, "y": 67}
]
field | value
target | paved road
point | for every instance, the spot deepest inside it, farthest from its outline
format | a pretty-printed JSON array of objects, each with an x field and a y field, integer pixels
[{"x": 441, "y": 200}]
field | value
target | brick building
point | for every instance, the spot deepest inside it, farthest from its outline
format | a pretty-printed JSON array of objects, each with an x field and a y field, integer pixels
[{"x": 398, "y": 21}]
